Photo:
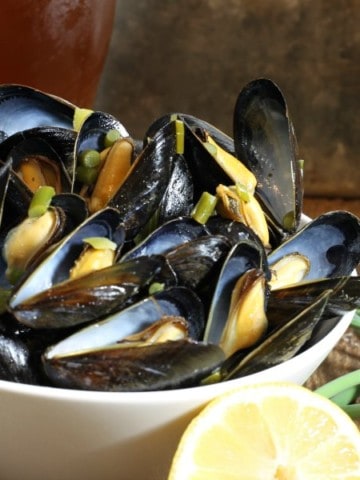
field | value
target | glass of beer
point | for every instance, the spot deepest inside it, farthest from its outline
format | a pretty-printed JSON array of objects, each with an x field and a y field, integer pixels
[{"x": 57, "y": 46}]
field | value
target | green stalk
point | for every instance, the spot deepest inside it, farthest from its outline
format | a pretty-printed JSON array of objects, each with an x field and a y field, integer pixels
[
  {"x": 89, "y": 158},
  {"x": 346, "y": 396},
  {"x": 204, "y": 208},
  {"x": 100, "y": 243},
  {"x": 156, "y": 287},
  {"x": 80, "y": 115},
  {"x": 111, "y": 137},
  {"x": 340, "y": 384},
  {"x": 86, "y": 175},
  {"x": 352, "y": 410},
  {"x": 343, "y": 390},
  {"x": 180, "y": 136},
  {"x": 356, "y": 320},
  {"x": 41, "y": 201}
]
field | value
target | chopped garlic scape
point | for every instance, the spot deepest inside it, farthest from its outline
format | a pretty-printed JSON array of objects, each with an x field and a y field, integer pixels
[
  {"x": 111, "y": 137},
  {"x": 100, "y": 243},
  {"x": 80, "y": 115},
  {"x": 180, "y": 137},
  {"x": 242, "y": 192},
  {"x": 156, "y": 287},
  {"x": 204, "y": 208},
  {"x": 41, "y": 201}
]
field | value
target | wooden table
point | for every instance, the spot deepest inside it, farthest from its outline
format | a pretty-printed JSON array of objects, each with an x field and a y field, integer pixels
[{"x": 314, "y": 206}]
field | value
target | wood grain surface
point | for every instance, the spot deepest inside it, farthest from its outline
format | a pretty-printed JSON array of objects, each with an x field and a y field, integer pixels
[{"x": 314, "y": 206}]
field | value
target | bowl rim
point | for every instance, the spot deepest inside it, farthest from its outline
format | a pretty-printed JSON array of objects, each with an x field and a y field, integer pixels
[{"x": 173, "y": 396}]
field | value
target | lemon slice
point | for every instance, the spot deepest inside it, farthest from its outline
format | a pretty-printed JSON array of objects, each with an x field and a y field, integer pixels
[{"x": 270, "y": 431}]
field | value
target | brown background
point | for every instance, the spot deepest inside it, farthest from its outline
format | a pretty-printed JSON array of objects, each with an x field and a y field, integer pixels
[{"x": 195, "y": 56}]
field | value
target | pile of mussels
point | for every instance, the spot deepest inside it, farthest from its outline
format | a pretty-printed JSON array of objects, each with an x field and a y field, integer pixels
[{"x": 175, "y": 261}]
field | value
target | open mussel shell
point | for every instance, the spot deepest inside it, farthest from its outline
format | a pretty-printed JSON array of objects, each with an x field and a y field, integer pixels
[
  {"x": 280, "y": 345},
  {"x": 53, "y": 144},
  {"x": 174, "y": 301},
  {"x": 286, "y": 302},
  {"x": 94, "y": 129},
  {"x": 265, "y": 142},
  {"x": 201, "y": 160},
  {"x": 174, "y": 364},
  {"x": 56, "y": 266},
  {"x": 70, "y": 209},
  {"x": 60, "y": 140},
  {"x": 244, "y": 256},
  {"x": 66, "y": 212},
  {"x": 331, "y": 242},
  {"x": 94, "y": 358},
  {"x": 37, "y": 149},
  {"x": 89, "y": 297},
  {"x": 22, "y": 108}
]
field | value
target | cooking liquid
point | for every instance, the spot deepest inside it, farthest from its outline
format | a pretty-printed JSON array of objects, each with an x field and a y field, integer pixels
[{"x": 57, "y": 46}]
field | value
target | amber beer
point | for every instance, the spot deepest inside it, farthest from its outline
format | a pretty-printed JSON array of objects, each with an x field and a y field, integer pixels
[{"x": 58, "y": 46}]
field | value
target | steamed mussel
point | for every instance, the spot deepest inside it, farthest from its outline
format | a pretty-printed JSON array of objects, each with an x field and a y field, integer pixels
[
  {"x": 154, "y": 343},
  {"x": 178, "y": 260}
]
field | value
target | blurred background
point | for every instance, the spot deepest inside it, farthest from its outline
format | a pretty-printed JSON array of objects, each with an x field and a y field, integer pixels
[{"x": 194, "y": 56}]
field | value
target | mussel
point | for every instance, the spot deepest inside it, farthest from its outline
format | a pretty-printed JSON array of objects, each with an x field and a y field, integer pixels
[
  {"x": 24, "y": 107},
  {"x": 280, "y": 345},
  {"x": 108, "y": 356},
  {"x": 26, "y": 242},
  {"x": 35, "y": 295},
  {"x": 285, "y": 302},
  {"x": 331, "y": 242},
  {"x": 243, "y": 257},
  {"x": 265, "y": 141}
]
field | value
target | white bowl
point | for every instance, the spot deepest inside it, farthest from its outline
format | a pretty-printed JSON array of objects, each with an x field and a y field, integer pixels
[{"x": 58, "y": 434}]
